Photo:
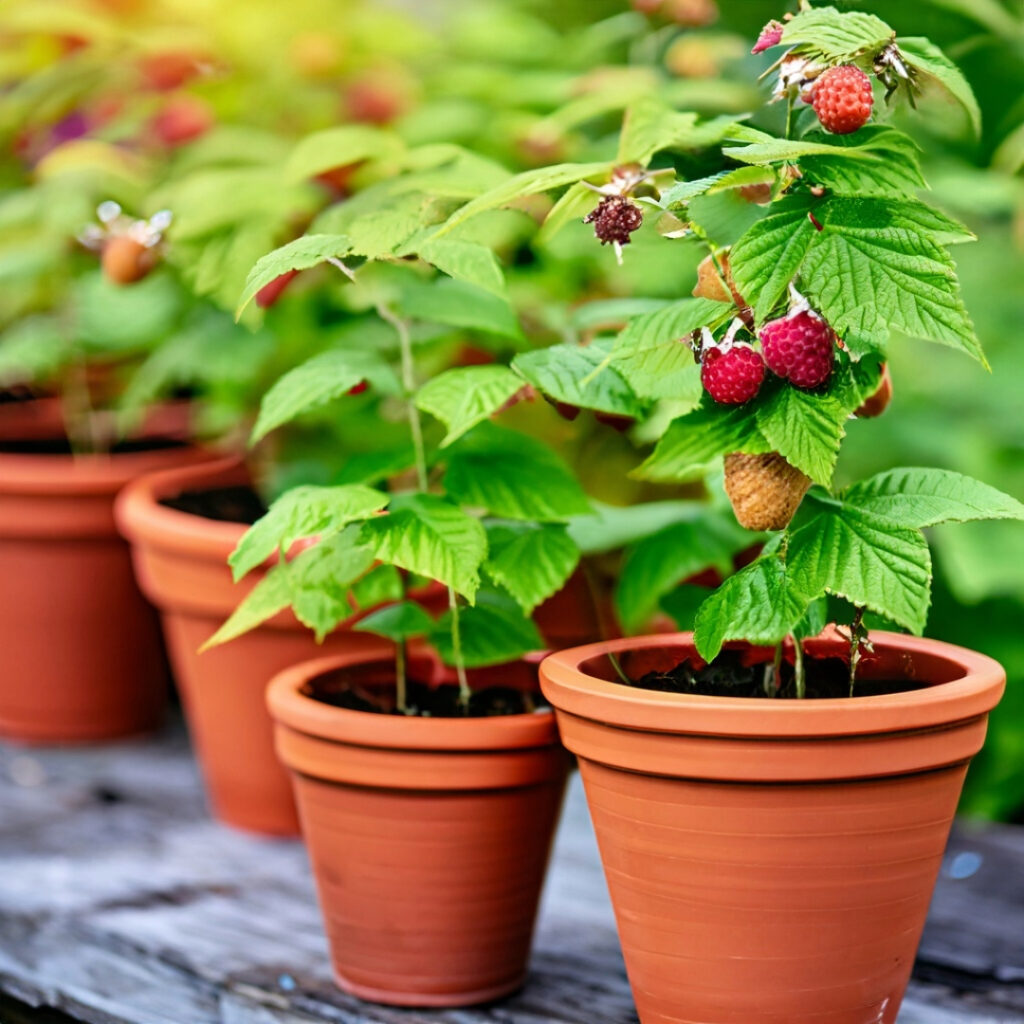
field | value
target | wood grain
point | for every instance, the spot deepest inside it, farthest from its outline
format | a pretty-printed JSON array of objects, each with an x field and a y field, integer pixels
[{"x": 121, "y": 903}]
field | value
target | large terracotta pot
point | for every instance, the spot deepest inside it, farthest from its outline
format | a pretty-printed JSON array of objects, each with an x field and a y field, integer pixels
[
  {"x": 429, "y": 837},
  {"x": 82, "y": 658},
  {"x": 181, "y": 564},
  {"x": 771, "y": 862}
]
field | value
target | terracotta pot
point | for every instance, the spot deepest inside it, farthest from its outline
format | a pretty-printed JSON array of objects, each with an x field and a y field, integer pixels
[
  {"x": 429, "y": 837},
  {"x": 771, "y": 862},
  {"x": 181, "y": 564},
  {"x": 81, "y": 647}
]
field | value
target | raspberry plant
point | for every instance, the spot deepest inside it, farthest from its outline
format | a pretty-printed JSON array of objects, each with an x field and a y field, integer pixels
[{"x": 843, "y": 260}]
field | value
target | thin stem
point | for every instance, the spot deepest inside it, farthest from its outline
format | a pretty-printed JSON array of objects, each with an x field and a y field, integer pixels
[
  {"x": 460, "y": 664},
  {"x": 799, "y": 675},
  {"x": 857, "y": 635},
  {"x": 409, "y": 386},
  {"x": 789, "y": 115},
  {"x": 401, "y": 695},
  {"x": 777, "y": 668}
]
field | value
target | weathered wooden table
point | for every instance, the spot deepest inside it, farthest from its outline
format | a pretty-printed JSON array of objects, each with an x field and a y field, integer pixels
[{"x": 122, "y": 903}]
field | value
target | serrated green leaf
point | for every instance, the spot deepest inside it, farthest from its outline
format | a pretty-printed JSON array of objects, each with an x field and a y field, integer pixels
[
  {"x": 531, "y": 561},
  {"x": 300, "y": 254},
  {"x": 651, "y": 355},
  {"x": 494, "y": 631},
  {"x": 320, "y": 578},
  {"x": 270, "y": 596},
  {"x": 340, "y": 147},
  {"x": 580, "y": 375},
  {"x": 574, "y": 204},
  {"x": 805, "y": 429},
  {"x": 866, "y": 559},
  {"x": 382, "y": 583},
  {"x": 446, "y": 300},
  {"x": 611, "y": 526},
  {"x": 318, "y": 381},
  {"x": 651, "y": 126},
  {"x": 467, "y": 261},
  {"x": 761, "y": 604},
  {"x": 463, "y": 397},
  {"x": 826, "y": 32},
  {"x": 917, "y": 498},
  {"x": 397, "y": 622},
  {"x": 659, "y": 563},
  {"x": 428, "y": 535},
  {"x": 526, "y": 184},
  {"x": 682, "y": 192},
  {"x": 513, "y": 476},
  {"x": 695, "y": 440},
  {"x": 931, "y": 64},
  {"x": 303, "y": 512}
]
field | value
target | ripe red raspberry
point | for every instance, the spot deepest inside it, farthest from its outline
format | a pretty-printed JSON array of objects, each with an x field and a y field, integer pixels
[
  {"x": 615, "y": 218},
  {"x": 842, "y": 99},
  {"x": 799, "y": 347},
  {"x": 732, "y": 376}
]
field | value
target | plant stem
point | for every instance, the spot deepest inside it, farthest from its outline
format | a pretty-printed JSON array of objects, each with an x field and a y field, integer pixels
[
  {"x": 777, "y": 668},
  {"x": 408, "y": 386},
  {"x": 401, "y": 696},
  {"x": 460, "y": 665},
  {"x": 799, "y": 677},
  {"x": 789, "y": 115},
  {"x": 856, "y": 636}
]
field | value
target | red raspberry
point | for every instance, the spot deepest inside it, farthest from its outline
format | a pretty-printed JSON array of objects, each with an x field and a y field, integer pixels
[
  {"x": 842, "y": 99},
  {"x": 799, "y": 347},
  {"x": 732, "y": 376},
  {"x": 615, "y": 218}
]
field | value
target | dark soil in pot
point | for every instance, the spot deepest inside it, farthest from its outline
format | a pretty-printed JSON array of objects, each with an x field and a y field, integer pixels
[
  {"x": 236, "y": 504},
  {"x": 732, "y": 674}
]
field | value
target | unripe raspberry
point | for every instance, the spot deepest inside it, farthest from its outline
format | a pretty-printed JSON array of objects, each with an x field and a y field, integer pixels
[
  {"x": 732, "y": 376},
  {"x": 764, "y": 490},
  {"x": 126, "y": 260},
  {"x": 842, "y": 99},
  {"x": 799, "y": 347},
  {"x": 615, "y": 218}
]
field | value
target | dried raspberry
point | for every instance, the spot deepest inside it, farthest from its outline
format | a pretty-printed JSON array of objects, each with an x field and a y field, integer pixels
[
  {"x": 799, "y": 347},
  {"x": 771, "y": 35},
  {"x": 710, "y": 285},
  {"x": 615, "y": 218},
  {"x": 842, "y": 99},
  {"x": 764, "y": 490},
  {"x": 732, "y": 376}
]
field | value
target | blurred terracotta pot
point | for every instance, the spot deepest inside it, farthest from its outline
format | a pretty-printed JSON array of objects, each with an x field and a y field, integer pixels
[
  {"x": 429, "y": 837},
  {"x": 82, "y": 654},
  {"x": 771, "y": 861},
  {"x": 181, "y": 564}
]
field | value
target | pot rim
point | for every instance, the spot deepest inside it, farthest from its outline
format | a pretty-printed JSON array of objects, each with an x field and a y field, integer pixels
[
  {"x": 142, "y": 519},
  {"x": 291, "y": 708},
  {"x": 571, "y": 689}
]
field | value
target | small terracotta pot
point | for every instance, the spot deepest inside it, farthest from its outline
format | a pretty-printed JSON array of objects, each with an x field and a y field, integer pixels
[
  {"x": 429, "y": 837},
  {"x": 181, "y": 564},
  {"x": 771, "y": 861},
  {"x": 81, "y": 647}
]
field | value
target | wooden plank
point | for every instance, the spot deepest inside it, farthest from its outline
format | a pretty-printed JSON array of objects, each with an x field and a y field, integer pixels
[{"x": 121, "y": 903}]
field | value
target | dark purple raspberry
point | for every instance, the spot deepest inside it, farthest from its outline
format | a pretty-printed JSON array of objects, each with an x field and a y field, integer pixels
[{"x": 615, "y": 218}]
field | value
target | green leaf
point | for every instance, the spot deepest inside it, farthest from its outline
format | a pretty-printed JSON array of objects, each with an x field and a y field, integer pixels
[
  {"x": 398, "y": 622},
  {"x": 526, "y": 184},
  {"x": 463, "y": 397},
  {"x": 761, "y": 604},
  {"x": 805, "y": 429},
  {"x": 432, "y": 537},
  {"x": 303, "y": 512},
  {"x": 340, "y": 147},
  {"x": 695, "y": 440},
  {"x": 382, "y": 583},
  {"x": 371, "y": 467},
  {"x": 580, "y": 375},
  {"x": 301, "y": 254},
  {"x": 32, "y": 349},
  {"x": 659, "y": 563},
  {"x": 467, "y": 261},
  {"x": 933, "y": 66},
  {"x": 650, "y": 352},
  {"x": 651, "y": 126},
  {"x": 271, "y": 595},
  {"x": 574, "y": 204},
  {"x": 866, "y": 559},
  {"x": 825, "y": 32},
  {"x": 318, "y": 381},
  {"x": 917, "y": 498},
  {"x": 531, "y": 561},
  {"x": 682, "y": 192},
  {"x": 494, "y": 631},
  {"x": 768, "y": 256},
  {"x": 513, "y": 476},
  {"x": 446, "y": 300}
]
